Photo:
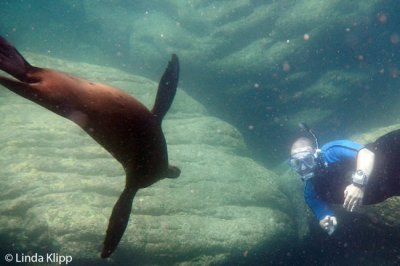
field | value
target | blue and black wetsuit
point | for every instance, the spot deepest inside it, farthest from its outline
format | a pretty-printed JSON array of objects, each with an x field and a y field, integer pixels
[{"x": 337, "y": 162}]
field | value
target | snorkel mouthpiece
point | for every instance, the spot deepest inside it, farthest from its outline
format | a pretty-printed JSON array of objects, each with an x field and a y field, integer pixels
[{"x": 307, "y": 176}]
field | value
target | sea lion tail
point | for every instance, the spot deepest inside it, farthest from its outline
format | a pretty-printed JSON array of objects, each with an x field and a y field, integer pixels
[
  {"x": 118, "y": 221},
  {"x": 11, "y": 61},
  {"x": 167, "y": 88}
]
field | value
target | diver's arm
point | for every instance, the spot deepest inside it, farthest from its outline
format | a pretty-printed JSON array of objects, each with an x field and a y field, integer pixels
[
  {"x": 354, "y": 193},
  {"x": 320, "y": 208},
  {"x": 365, "y": 161}
]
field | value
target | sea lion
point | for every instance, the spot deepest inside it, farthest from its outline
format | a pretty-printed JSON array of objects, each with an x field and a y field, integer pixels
[{"x": 113, "y": 118}]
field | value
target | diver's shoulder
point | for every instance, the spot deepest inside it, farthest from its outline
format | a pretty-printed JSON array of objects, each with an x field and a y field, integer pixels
[{"x": 343, "y": 143}]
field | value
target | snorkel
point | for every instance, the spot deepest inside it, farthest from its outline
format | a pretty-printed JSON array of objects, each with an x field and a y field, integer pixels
[{"x": 303, "y": 126}]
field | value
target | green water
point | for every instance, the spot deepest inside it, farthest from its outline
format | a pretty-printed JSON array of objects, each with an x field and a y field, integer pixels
[{"x": 250, "y": 72}]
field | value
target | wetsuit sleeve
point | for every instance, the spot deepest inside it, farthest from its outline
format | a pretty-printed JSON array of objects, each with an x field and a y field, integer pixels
[
  {"x": 340, "y": 150},
  {"x": 318, "y": 207}
]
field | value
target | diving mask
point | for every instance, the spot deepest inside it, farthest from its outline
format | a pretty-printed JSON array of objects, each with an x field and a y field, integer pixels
[{"x": 304, "y": 163}]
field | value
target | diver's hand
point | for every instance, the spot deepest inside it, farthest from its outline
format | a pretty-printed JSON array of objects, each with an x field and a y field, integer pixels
[
  {"x": 329, "y": 224},
  {"x": 353, "y": 196}
]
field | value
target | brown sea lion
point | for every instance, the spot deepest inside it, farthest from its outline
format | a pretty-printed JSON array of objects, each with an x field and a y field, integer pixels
[{"x": 113, "y": 118}]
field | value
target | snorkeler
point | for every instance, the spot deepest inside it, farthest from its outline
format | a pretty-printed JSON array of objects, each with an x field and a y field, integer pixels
[{"x": 347, "y": 173}]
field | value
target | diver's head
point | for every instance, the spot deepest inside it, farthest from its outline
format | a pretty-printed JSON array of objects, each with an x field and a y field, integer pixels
[{"x": 303, "y": 157}]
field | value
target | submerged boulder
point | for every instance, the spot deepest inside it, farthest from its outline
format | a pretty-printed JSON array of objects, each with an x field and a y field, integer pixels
[
  {"x": 58, "y": 186},
  {"x": 385, "y": 215}
]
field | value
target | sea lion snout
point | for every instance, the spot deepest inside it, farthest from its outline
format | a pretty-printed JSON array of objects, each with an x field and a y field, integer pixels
[{"x": 173, "y": 172}]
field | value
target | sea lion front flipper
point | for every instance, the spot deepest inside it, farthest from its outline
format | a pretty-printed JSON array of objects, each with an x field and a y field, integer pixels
[
  {"x": 118, "y": 221},
  {"x": 21, "y": 88},
  {"x": 11, "y": 61},
  {"x": 167, "y": 88}
]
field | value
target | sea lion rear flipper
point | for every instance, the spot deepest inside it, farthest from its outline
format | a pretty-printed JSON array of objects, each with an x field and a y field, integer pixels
[
  {"x": 167, "y": 88},
  {"x": 118, "y": 221},
  {"x": 11, "y": 61}
]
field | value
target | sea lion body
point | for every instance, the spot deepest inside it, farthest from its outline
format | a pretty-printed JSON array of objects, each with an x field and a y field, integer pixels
[
  {"x": 121, "y": 124},
  {"x": 117, "y": 121}
]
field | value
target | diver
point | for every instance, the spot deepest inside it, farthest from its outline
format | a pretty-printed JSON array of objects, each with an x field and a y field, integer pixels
[{"x": 347, "y": 173}]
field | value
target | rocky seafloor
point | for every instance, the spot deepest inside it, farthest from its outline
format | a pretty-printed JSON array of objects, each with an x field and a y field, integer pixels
[{"x": 58, "y": 186}]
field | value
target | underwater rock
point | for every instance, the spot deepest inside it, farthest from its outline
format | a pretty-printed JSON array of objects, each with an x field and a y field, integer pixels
[
  {"x": 384, "y": 215},
  {"x": 58, "y": 186}
]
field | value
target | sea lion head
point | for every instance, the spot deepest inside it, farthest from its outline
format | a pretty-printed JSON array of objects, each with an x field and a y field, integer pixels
[{"x": 173, "y": 172}]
